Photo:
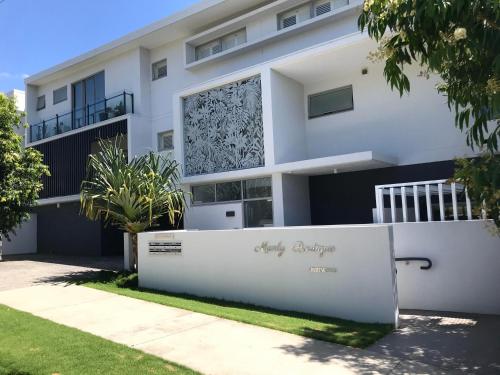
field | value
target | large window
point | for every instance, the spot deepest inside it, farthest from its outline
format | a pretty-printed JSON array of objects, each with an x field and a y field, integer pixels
[
  {"x": 256, "y": 195},
  {"x": 221, "y": 44},
  {"x": 329, "y": 102},
  {"x": 88, "y": 101}
]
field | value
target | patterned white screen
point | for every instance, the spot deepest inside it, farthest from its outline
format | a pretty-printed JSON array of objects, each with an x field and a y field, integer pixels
[{"x": 223, "y": 128}]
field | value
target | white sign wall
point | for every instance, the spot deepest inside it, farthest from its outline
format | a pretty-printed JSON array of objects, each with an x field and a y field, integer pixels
[{"x": 337, "y": 271}]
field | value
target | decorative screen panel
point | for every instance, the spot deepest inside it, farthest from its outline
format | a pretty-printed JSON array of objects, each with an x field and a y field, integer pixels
[{"x": 223, "y": 128}]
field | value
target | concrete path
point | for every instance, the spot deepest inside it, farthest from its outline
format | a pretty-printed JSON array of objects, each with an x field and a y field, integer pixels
[
  {"x": 201, "y": 342},
  {"x": 458, "y": 342}
]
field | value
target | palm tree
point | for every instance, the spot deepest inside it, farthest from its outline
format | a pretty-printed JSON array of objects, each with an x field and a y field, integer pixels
[{"x": 131, "y": 196}]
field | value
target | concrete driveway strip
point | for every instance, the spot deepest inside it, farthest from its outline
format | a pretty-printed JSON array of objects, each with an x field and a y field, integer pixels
[{"x": 208, "y": 344}]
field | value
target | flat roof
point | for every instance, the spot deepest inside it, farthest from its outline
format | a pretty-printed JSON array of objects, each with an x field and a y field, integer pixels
[{"x": 175, "y": 26}]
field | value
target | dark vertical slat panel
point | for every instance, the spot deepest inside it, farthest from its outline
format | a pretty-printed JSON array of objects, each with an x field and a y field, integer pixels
[{"x": 67, "y": 159}]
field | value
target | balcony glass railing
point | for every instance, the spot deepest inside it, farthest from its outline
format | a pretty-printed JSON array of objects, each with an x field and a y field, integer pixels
[{"x": 103, "y": 110}]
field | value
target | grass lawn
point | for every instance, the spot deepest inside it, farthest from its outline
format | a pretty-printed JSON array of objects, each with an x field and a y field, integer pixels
[
  {"x": 338, "y": 331},
  {"x": 32, "y": 345}
]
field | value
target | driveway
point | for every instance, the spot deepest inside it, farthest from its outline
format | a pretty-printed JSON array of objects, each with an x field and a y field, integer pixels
[
  {"x": 454, "y": 342},
  {"x": 27, "y": 270}
]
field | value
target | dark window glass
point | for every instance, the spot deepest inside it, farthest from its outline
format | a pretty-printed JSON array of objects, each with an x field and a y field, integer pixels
[
  {"x": 258, "y": 213},
  {"x": 159, "y": 69},
  {"x": 332, "y": 101},
  {"x": 88, "y": 100},
  {"x": 203, "y": 194},
  {"x": 60, "y": 95},
  {"x": 78, "y": 105},
  {"x": 166, "y": 141},
  {"x": 229, "y": 191},
  {"x": 257, "y": 188},
  {"x": 40, "y": 102}
]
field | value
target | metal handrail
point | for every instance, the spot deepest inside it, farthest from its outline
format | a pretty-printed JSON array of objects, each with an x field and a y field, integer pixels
[
  {"x": 417, "y": 259},
  {"x": 119, "y": 109}
]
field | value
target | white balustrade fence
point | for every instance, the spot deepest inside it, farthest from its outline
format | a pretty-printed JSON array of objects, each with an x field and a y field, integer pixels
[{"x": 436, "y": 200}]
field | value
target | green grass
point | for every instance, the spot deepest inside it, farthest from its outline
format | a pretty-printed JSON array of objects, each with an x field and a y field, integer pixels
[
  {"x": 32, "y": 345},
  {"x": 338, "y": 331}
]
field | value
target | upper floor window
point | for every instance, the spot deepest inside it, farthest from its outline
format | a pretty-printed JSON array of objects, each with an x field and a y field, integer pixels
[
  {"x": 307, "y": 11},
  {"x": 60, "y": 95},
  {"x": 166, "y": 141},
  {"x": 89, "y": 105},
  {"x": 159, "y": 69},
  {"x": 221, "y": 44},
  {"x": 331, "y": 101},
  {"x": 40, "y": 102}
]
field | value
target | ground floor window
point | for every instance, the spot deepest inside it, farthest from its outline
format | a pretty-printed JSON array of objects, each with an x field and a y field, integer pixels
[{"x": 255, "y": 195}]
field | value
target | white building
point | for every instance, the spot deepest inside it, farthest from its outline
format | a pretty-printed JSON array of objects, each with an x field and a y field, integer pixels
[{"x": 271, "y": 107}]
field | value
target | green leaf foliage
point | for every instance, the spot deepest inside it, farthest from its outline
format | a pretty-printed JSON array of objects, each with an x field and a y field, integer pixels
[
  {"x": 21, "y": 171},
  {"x": 131, "y": 196},
  {"x": 482, "y": 178},
  {"x": 459, "y": 40}
]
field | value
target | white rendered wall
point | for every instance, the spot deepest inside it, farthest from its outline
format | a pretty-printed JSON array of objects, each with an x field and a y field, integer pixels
[
  {"x": 415, "y": 128},
  {"x": 296, "y": 203},
  {"x": 226, "y": 265},
  {"x": 213, "y": 216},
  {"x": 465, "y": 273},
  {"x": 24, "y": 241},
  {"x": 288, "y": 115}
]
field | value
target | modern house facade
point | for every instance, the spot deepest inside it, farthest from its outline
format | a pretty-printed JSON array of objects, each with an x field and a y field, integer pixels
[{"x": 273, "y": 110}]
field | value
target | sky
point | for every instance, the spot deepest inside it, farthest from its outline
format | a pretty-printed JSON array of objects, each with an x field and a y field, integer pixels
[{"x": 37, "y": 34}]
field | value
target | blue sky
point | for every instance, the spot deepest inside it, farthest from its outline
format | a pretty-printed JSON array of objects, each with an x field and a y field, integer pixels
[{"x": 37, "y": 34}]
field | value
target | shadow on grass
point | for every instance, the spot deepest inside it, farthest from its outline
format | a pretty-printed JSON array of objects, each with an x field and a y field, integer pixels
[{"x": 323, "y": 328}]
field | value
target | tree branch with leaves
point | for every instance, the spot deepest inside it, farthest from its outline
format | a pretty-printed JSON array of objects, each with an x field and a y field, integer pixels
[
  {"x": 458, "y": 40},
  {"x": 21, "y": 171}
]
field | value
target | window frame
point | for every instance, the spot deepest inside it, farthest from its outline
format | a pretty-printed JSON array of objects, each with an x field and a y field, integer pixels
[
  {"x": 242, "y": 199},
  {"x": 219, "y": 41},
  {"x": 328, "y": 92},
  {"x": 54, "y": 102},
  {"x": 160, "y": 135},
  {"x": 38, "y": 106},
  {"x": 156, "y": 63}
]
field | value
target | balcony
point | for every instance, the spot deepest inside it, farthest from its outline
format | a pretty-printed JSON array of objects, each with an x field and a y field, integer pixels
[{"x": 103, "y": 110}]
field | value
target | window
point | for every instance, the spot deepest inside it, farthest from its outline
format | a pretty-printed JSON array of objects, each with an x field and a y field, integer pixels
[
  {"x": 307, "y": 11},
  {"x": 40, "y": 102},
  {"x": 159, "y": 69},
  {"x": 256, "y": 198},
  {"x": 329, "y": 102},
  {"x": 166, "y": 141},
  {"x": 88, "y": 101},
  {"x": 294, "y": 16},
  {"x": 221, "y": 44},
  {"x": 60, "y": 95},
  {"x": 257, "y": 188},
  {"x": 203, "y": 194},
  {"x": 228, "y": 191},
  {"x": 322, "y": 7}
]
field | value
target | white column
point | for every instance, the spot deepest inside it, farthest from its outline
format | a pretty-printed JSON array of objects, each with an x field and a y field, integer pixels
[
  {"x": 267, "y": 116},
  {"x": 278, "y": 209}
]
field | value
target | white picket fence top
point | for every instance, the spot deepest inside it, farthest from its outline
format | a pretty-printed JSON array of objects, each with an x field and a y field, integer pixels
[{"x": 417, "y": 190}]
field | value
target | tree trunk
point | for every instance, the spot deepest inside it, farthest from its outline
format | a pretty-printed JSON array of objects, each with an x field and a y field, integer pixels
[
  {"x": 134, "y": 261},
  {"x": 1, "y": 248}
]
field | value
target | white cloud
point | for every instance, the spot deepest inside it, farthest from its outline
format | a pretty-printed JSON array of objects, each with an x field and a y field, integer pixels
[{"x": 7, "y": 75}]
